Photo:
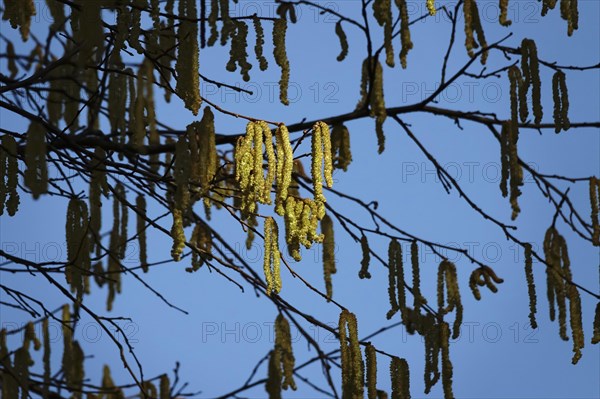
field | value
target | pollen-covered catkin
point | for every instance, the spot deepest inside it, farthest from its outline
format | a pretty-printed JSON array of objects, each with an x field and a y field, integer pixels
[
  {"x": 431, "y": 7},
  {"x": 36, "y": 174},
  {"x": 188, "y": 83},
  {"x": 405, "y": 40},
  {"x": 371, "y": 361},
  {"x": 272, "y": 259},
  {"x": 283, "y": 344},
  {"x": 530, "y": 285},
  {"x": 260, "y": 41},
  {"x": 328, "y": 254},
  {"x": 280, "y": 55},
  {"x": 351, "y": 357},
  {"x": 400, "y": 378},
  {"x": 9, "y": 174},
  {"x": 595, "y": 205},
  {"x": 382, "y": 10},
  {"x": 285, "y": 165}
]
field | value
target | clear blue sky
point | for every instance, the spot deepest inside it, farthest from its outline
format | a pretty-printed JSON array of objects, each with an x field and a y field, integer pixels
[{"x": 227, "y": 332}]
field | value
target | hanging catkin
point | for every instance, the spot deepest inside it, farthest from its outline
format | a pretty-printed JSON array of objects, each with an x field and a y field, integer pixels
[
  {"x": 473, "y": 25},
  {"x": 238, "y": 53},
  {"x": 530, "y": 286},
  {"x": 340, "y": 147},
  {"x": 339, "y": 31},
  {"x": 36, "y": 174},
  {"x": 78, "y": 251},
  {"x": 19, "y": 13},
  {"x": 561, "y": 102},
  {"x": 280, "y": 54},
  {"x": 595, "y": 205},
  {"x": 503, "y": 19},
  {"x": 366, "y": 258},
  {"x": 447, "y": 277},
  {"x": 9, "y": 174},
  {"x": 140, "y": 203},
  {"x": 396, "y": 290},
  {"x": 188, "y": 84},
  {"x": 272, "y": 258},
  {"x": 260, "y": 41},
  {"x": 382, "y": 10},
  {"x": 285, "y": 165},
  {"x": 400, "y": 378},
  {"x": 531, "y": 77},
  {"x": 371, "y": 361},
  {"x": 321, "y": 160},
  {"x": 596, "y": 336},
  {"x": 351, "y": 357},
  {"x": 328, "y": 254},
  {"x": 406, "y": 42}
]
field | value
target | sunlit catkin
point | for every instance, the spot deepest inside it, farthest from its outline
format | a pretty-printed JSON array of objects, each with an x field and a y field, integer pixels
[
  {"x": 280, "y": 54},
  {"x": 530, "y": 285},
  {"x": 431, "y": 7},
  {"x": 321, "y": 165},
  {"x": 366, "y": 258},
  {"x": 595, "y": 205},
  {"x": 382, "y": 10},
  {"x": 285, "y": 165},
  {"x": 351, "y": 357},
  {"x": 405, "y": 40},
  {"x": 260, "y": 41},
  {"x": 188, "y": 84},
  {"x": 272, "y": 258},
  {"x": 328, "y": 254},
  {"x": 9, "y": 174},
  {"x": 400, "y": 378},
  {"x": 558, "y": 263},
  {"x": 36, "y": 174}
]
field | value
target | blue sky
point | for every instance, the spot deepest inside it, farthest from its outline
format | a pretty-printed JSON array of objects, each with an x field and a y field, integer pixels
[{"x": 227, "y": 332}]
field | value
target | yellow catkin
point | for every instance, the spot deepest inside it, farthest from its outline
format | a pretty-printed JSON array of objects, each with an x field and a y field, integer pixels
[
  {"x": 328, "y": 254},
  {"x": 382, "y": 10},
  {"x": 558, "y": 265},
  {"x": 595, "y": 205},
  {"x": 473, "y": 25},
  {"x": 140, "y": 204},
  {"x": 530, "y": 285},
  {"x": 283, "y": 344},
  {"x": 202, "y": 241},
  {"x": 400, "y": 378},
  {"x": 340, "y": 147},
  {"x": 280, "y": 55},
  {"x": 406, "y": 42},
  {"x": 371, "y": 361},
  {"x": 431, "y": 7},
  {"x": 188, "y": 84},
  {"x": 366, "y": 258},
  {"x": 285, "y": 165},
  {"x": 271, "y": 164},
  {"x": 351, "y": 357},
  {"x": 504, "y": 21},
  {"x": 375, "y": 101},
  {"x": 339, "y": 31},
  {"x": 178, "y": 235},
  {"x": 36, "y": 174},
  {"x": 321, "y": 160},
  {"x": 596, "y": 335},
  {"x": 9, "y": 174},
  {"x": 272, "y": 258},
  {"x": 530, "y": 64},
  {"x": 260, "y": 41}
]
